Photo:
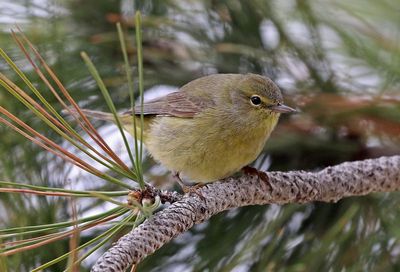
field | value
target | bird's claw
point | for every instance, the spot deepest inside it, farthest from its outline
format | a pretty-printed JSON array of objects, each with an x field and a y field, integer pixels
[
  {"x": 188, "y": 189},
  {"x": 251, "y": 171}
]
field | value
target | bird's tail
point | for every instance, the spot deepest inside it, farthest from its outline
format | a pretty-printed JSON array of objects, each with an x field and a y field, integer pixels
[
  {"x": 99, "y": 115},
  {"x": 125, "y": 118}
]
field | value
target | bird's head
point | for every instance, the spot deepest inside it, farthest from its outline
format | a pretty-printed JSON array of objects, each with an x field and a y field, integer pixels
[{"x": 259, "y": 98}]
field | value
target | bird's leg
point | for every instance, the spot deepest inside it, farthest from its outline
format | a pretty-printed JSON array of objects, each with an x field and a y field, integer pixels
[
  {"x": 251, "y": 171},
  {"x": 188, "y": 189},
  {"x": 178, "y": 180},
  {"x": 248, "y": 170}
]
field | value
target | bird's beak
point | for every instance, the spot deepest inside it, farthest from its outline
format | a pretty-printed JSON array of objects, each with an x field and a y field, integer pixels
[{"x": 282, "y": 108}]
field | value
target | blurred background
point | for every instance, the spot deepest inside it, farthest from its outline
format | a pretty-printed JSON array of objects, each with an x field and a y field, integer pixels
[{"x": 337, "y": 61}]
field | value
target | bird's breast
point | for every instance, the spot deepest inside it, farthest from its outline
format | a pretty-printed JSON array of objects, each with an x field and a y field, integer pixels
[{"x": 205, "y": 148}]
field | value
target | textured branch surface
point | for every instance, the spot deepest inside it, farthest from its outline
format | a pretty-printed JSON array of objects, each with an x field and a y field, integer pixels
[{"x": 328, "y": 185}]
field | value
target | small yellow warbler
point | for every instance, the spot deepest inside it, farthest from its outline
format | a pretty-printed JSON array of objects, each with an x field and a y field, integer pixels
[{"x": 212, "y": 127}]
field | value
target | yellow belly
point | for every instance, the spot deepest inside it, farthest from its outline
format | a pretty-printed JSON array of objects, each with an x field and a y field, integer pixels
[{"x": 204, "y": 151}]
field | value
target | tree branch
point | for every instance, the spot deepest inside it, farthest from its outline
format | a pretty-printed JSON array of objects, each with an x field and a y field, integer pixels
[{"x": 328, "y": 185}]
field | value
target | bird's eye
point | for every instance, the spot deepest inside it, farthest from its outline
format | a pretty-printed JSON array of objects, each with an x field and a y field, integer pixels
[{"x": 255, "y": 100}]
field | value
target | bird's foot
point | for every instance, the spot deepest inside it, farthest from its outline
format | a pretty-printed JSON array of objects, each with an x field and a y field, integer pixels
[
  {"x": 186, "y": 188},
  {"x": 251, "y": 171}
]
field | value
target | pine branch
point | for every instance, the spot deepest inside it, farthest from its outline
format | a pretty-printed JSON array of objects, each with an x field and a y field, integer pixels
[{"x": 328, "y": 185}]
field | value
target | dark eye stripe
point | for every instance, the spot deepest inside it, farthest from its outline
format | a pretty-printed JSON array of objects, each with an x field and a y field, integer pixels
[{"x": 255, "y": 100}]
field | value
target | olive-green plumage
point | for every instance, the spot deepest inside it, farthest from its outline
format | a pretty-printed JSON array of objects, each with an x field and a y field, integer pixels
[{"x": 212, "y": 127}]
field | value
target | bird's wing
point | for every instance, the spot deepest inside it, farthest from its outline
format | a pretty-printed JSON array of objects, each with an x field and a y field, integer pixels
[{"x": 177, "y": 104}]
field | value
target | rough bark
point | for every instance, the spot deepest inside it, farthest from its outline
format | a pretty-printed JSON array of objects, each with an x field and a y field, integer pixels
[{"x": 328, "y": 185}]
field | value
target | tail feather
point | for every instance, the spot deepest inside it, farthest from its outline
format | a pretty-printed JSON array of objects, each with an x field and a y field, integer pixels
[
  {"x": 91, "y": 114},
  {"x": 126, "y": 118}
]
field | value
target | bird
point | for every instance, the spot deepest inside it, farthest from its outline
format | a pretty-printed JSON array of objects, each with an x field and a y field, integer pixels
[{"x": 211, "y": 127}]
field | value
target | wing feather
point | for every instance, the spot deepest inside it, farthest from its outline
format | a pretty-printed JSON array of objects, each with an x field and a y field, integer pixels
[{"x": 177, "y": 104}]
